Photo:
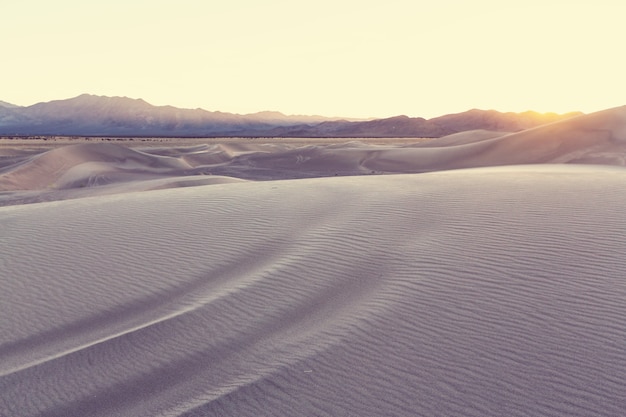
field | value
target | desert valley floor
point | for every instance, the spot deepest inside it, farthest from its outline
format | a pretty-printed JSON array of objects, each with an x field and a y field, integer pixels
[{"x": 479, "y": 274}]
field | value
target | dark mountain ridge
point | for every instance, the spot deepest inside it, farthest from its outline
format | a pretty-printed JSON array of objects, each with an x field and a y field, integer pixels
[
  {"x": 89, "y": 115},
  {"x": 7, "y": 105}
]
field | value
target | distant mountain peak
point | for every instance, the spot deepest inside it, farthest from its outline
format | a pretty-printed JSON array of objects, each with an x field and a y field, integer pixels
[
  {"x": 8, "y": 105},
  {"x": 93, "y": 97},
  {"x": 93, "y": 115},
  {"x": 268, "y": 113}
]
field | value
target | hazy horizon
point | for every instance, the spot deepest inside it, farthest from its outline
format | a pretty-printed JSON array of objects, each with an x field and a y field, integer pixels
[
  {"x": 348, "y": 59},
  {"x": 278, "y": 111}
]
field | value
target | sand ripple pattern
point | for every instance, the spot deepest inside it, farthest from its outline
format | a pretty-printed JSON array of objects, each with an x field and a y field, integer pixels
[{"x": 484, "y": 292}]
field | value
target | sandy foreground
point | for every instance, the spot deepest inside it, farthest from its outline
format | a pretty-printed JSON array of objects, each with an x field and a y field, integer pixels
[{"x": 481, "y": 274}]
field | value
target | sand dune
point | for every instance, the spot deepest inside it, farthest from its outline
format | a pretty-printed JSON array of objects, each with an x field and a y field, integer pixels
[
  {"x": 461, "y": 138},
  {"x": 85, "y": 165},
  {"x": 598, "y": 138},
  {"x": 496, "y": 290},
  {"x": 484, "y": 292}
]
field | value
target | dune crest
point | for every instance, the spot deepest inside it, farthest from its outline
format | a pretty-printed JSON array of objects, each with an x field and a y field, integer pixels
[{"x": 85, "y": 164}]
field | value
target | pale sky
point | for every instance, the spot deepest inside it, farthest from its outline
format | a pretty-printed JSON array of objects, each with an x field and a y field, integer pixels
[{"x": 351, "y": 58}]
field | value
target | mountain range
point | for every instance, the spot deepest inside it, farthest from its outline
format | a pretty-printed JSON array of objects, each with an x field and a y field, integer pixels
[{"x": 90, "y": 115}]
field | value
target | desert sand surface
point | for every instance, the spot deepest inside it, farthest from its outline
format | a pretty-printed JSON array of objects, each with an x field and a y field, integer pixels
[{"x": 480, "y": 274}]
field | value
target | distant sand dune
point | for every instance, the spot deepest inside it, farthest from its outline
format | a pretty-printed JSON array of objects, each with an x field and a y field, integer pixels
[
  {"x": 80, "y": 165},
  {"x": 484, "y": 292},
  {"x": 598, "y": 138},
  {"x": 462, "y": 138}
]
